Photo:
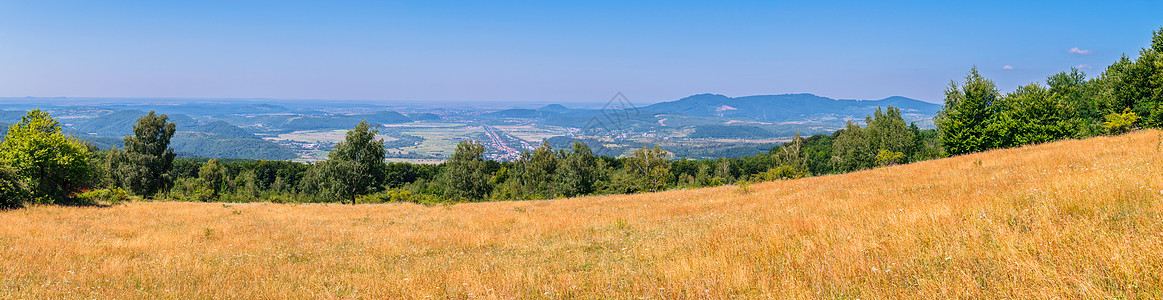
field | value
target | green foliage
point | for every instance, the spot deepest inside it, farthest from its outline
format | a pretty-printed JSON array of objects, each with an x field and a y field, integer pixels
[
  {"x": 144, "y": 166},
  {"x": 781, "y": 172},
  {"x": 649, "y": 168},
  {"x": 538, "y": 170},
  {"x": 356, "y": 167},
  {"x": 53, "y": 165},
  {"x": 743, "y": 187},
  {"x": 856, "y": 148},
  {"x": 1029, "y": 115},
  {"x": 113, "y": 196},
  {"x": 965, "y": 116},
  {"x": 1138, "y": 84},
  {"x": 398, "y": 196},
  {"x": 886, "y": 157},
  {"x": 578, "y": 173},
  {"x": 13, "y": 190},
  {"x": 465, "y": 177},
  {"x": 1117, "y": 123}
]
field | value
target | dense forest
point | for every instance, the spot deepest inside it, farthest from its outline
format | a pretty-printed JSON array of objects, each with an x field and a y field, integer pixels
[{"x": 41, "y": 164}]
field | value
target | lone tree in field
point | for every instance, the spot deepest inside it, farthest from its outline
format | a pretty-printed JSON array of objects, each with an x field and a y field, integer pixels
[
  {"x": 53, "y": 165},
  {"x": 356, "y": 167},
  {"x": 144, "y": 167},
  {"x": 465, "y": 177}
]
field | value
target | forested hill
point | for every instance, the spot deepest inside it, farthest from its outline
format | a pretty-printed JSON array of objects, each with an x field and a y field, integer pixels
[
  {"x": 215, "y": 139},
  {"x": 786, "y": 107}
]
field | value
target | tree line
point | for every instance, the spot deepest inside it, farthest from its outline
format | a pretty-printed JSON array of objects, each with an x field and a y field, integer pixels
[
  {"x": 40, "y": 164},
  {"x": 43, "y": 165}
]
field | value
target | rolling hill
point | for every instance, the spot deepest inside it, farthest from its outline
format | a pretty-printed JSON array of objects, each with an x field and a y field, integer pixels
[
  {"x": 215, "y": 139},
  {"x": 1070, "y": 219}
]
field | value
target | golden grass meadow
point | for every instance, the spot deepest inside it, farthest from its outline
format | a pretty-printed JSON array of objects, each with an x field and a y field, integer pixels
[{"x": 1071, "y": 219}]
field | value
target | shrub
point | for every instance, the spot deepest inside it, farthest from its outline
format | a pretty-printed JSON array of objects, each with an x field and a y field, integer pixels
[
  {"x": 1117, "y": 123},
  {"x": 743, "y": 187},
  {"x": 780, "y": 173},
  {"x": 13, "y": 190},
  {"x": 279, "y": 199},
  {"x": 398, "y": 196},
  {"x": 113, "y": 196},
  {"x": 889, "y": 158}
]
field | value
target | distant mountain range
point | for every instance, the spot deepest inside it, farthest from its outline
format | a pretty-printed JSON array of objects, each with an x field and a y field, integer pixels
[
  {"x": 784, "y": 108},
  {"x": 700, "y": 126}
]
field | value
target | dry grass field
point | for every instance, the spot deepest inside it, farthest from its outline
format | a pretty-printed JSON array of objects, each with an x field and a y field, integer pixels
[{"x": 1072, "y": 219}]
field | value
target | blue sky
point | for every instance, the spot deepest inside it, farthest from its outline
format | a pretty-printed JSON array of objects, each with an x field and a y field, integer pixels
[{"x": 550, "y": 52}]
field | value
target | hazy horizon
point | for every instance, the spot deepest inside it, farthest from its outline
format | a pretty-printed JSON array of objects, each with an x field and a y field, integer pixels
[{"x": 549, "y": 52}]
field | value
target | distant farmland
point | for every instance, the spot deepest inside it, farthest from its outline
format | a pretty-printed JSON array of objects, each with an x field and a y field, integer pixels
[{"x": 1071, "y": 219}]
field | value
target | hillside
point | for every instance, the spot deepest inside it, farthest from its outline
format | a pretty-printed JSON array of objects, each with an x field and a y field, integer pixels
[{"x": 1071, "y": 219}]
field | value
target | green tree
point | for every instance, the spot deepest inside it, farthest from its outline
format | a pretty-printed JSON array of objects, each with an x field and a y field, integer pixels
[
  {"x": 539, "y": 170},
  {"x": 650, "y": 168},
  {"x": 887, "y": 130},
  {"x": 213, "y": 175},
  {"x": 356, "y": 167},
  {"x": 852, "y": 149},
  {"x": 144, "y": 167},
  {"x": 465, "y": 176},
  {"x": 968, "y": 108},
  {"x": 53, "y": 165},
  {"x": 1136, "y": 84},
  {"x": 578, "y": 171},
  {"x": 1077, "y": 96},
  {"x": 1031, "y": 114}
]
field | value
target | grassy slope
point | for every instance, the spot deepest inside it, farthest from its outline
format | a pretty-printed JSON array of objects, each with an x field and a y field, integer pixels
[{"x": 1074, "y": 219}]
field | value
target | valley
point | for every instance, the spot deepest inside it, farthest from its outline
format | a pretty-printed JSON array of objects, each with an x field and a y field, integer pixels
[{"x": 704, "y": 126}]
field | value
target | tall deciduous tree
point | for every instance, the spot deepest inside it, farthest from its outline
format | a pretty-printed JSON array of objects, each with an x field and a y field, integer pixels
[
  {"x": 1030, "y": 114},
  {"x": 356, "y": 167},
  {"x": 144, "y": 167},
  {"x": 53, "y": 165},
  {"x": 539, "y": 170},
  {"x": 578, "y": 171},
  {"x": 650, "y": 167},
  {"x": 851, "y": 150},
  {"x": 1136, "y": 84},
  {"x": 465, "y": 176}
]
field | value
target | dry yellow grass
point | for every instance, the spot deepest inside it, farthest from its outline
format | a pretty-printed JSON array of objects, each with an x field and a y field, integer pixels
[{"x": 1073, "y": 219}]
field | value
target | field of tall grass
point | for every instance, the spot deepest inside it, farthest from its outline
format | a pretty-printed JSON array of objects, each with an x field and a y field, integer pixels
[{"x": 1073, "y": 219}]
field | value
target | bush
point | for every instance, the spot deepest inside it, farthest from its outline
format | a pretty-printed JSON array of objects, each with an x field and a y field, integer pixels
[
  {"x": 113, "y": 196},
  {"x": 279, "y": 199},
  {"x": 780, "y": 173},
  {"x": 1117, "y": 123},
  {"x": 13, "y": 190},
  {"x": 889, "y": 158},
  {"x": 743, "y": 187},
  {"x": 398, "y": 196}
]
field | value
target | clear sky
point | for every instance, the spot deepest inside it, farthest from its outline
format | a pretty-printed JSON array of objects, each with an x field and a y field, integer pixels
[{"x": 551, "y": 51}]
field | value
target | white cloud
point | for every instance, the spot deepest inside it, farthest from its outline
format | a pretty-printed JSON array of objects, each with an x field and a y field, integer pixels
[
  {"x": 1007, "y": 67},
  {"x": 1075, "y": 50},
  {"x": 1083, "y": 66}
]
